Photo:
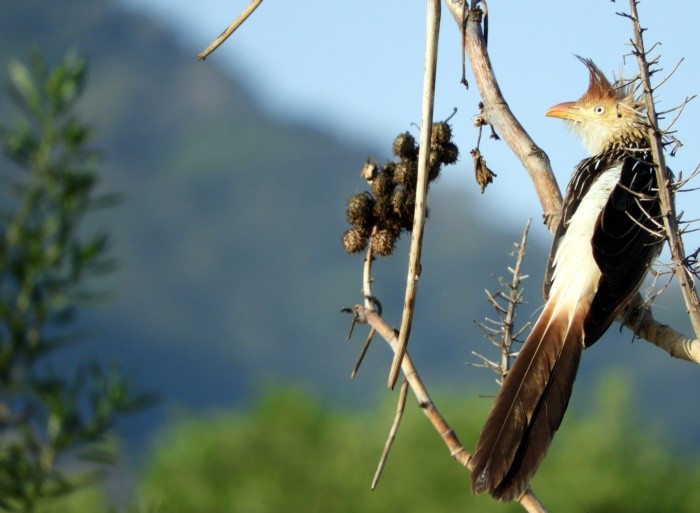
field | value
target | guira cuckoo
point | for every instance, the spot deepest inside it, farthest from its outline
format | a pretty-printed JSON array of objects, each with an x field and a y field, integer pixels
[{"x": 605, "y": 242}]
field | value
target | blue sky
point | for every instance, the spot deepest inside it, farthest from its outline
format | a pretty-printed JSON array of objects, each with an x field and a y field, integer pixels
[{"x": 356, "y": 70}]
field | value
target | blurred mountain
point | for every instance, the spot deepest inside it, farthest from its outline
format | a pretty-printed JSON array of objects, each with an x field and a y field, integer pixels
[{"x": 231, "y": 273}]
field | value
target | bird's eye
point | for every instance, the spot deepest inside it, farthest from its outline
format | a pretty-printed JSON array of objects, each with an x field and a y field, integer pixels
[{"x": 599, "y": 110}]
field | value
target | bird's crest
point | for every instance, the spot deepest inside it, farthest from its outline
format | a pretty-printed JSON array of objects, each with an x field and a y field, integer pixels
[
  {"x": 607, "y": 113},
  {"x": 599, "y": 88}
]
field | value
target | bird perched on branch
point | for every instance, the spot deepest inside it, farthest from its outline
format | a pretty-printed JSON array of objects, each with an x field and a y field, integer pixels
[{"x": 608, "y": 236}]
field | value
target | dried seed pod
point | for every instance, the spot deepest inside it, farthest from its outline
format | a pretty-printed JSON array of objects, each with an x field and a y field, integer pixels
[
  {"x": 405, "y": 146},
  {"x": 434, "y": 165},
  {"x": 383, "y": 184},
  {"x": 359, "y": 210},
  {"x": 399, "y": 198},
  {"x": 406, "y": 174},
  {"x": 383, "y": 241},
  {"x": 355, "y": 240},
  {"x": 441, "y": 134},
  {"x": 382, "y": 208},
  {"x": 448, "y": 153},
  {"x": 404, "y": 205}
]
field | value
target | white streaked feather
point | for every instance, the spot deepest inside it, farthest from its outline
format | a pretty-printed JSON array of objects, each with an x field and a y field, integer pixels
[{"x": 576, "y": 273}]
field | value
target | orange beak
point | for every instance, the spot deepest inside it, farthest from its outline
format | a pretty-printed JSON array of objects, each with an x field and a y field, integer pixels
[{"x": 566, "y": 110}]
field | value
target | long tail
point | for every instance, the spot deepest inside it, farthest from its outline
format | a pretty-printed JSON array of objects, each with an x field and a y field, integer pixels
[{"x": 531, "y": 403}]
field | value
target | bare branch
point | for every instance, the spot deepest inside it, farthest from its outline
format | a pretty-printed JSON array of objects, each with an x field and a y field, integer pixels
[
  {"x": 667, "y": 77},
  {"x": 363, "y": 352},
  {"x": 639, "y": 318},
  {"x": 528, "y": 500},
  {"x": 431, "y": 49},
  {"x": 497, "y": 113},
  {"x": 514, "y": 299},
  {"x": 229, "y": 30},
  {"x": 679, "y": 110},
  {"x": 505, "y": 334},
  {"x": 675, "y": 240},
  {"x": 401, "y": 405}
]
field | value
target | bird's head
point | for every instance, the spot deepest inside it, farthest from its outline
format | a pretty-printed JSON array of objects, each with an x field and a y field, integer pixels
[{"x": 605, "y": 114}]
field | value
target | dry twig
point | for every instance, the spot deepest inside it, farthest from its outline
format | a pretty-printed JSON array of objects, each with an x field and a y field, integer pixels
[
  {"x": 431, "y": 48},
  {"x": 497, "y": 113},
  {"x": 670, "y": 220},
  {"x": 529, "y": 500},
  {"x": 401, "y": 405},
  {"x": 229, "y": 30},
  {"x": 504, "y": 334}
]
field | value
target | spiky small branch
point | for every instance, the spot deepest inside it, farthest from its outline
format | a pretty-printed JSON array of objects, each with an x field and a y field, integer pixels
[{"x": 670, "y": 219}]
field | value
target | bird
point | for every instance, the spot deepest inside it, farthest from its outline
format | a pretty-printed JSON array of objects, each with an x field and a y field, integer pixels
[{"x": 606, "y": 240}]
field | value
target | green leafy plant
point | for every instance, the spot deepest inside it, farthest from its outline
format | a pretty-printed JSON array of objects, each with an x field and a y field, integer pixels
[{"x": 53, "y": 425}]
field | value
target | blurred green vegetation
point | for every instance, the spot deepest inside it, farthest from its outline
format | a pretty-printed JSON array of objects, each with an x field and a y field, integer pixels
[
  {"x": 295, "y": 453},
  {"x": 231, "y": 273},
  {"x": 49, "y": 417}
]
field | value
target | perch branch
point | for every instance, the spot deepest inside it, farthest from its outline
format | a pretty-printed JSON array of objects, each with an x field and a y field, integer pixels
[
  {"x": 529, "y": 500},
  {"x": 640, "y": 319},
  {"x": 229, "y": 30},
  {"x": 431, "y": 48}
]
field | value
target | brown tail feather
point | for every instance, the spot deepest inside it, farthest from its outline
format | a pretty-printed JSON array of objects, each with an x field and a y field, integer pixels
[{"x": 530, "y": 405}]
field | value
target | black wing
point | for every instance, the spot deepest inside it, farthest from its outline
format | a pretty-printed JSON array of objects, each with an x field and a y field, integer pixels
[{"x": 627, "y": 238}]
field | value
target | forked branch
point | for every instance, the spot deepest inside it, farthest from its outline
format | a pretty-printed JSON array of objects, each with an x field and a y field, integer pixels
[{"x": 529, "y": 500}]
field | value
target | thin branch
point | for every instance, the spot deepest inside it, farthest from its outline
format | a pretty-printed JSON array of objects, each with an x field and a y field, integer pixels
[
  {"x": 504, "y": 334},
  {"x": 528, "y": 500},
  {"x": 514, "y": 297},
  {"x": 678, "y": 110},
  {"x": 639, "y": 318},
  {"x": 363, "y": 352},
  {"x": 229, "y": 30},
  {"x": 400, "y": 406},
  {"x": 670, "y": 74},
  {"x": 497, "y": 113},
  {"x": 367, "y": 274},
  {"x": 371, "y": 303},
  {"x": 675, "y": 241},
  {"x": 431, "y": 49}
]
